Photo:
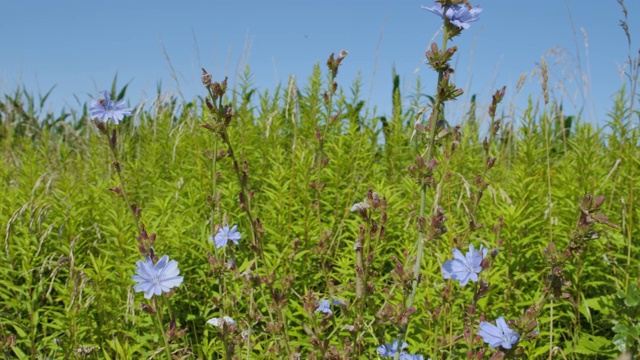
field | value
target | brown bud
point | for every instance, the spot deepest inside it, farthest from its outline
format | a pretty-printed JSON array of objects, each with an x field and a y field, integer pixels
[
  {"x": 136, "y": 210},
  {"x": 11, "y": 341},
  {"x": 217, "y": 90},
  {"x": 223, "y": 86},
  {"x": 113, "y": 141},
  {"x": 341, "y": 56},
  {"x": 147, "y": 308},
  {"x": 432, "y": 164},
  {"x": 172, "y": 329},
  {"x": 597, "y": 202},
  {"x": 433, "y": 51},
  {"x": 490, "y": 162},
  {"x": 209, "y": 104},
  {"x": 206, "y": 78},
  {"x": 101, "y": 126}
]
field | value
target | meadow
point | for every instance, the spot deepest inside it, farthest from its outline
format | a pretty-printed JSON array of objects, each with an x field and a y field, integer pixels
[{"x": 304, "y": 226}]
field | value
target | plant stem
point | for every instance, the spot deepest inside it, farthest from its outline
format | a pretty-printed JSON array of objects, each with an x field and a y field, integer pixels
[
  {"x": 433, "y": 121},
  {"x": 158, "y": 310}
]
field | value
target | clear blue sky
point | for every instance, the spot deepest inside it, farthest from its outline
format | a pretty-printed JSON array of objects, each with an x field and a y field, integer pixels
[{"x": 80, "y": 45}]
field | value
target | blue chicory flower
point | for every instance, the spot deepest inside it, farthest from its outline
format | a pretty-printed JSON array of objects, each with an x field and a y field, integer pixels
[
  {"x": 226, "y": 234},
  {"x": 389, "y": 350},
  {"x": 464, "y": 268},
  {"x": 156, "y": 278},
  {"x": 324, "y": 307},
  {"x": 499, "y": 334},
  {"x": 105, "y": 109},
  {"x": 459, "y": 15}
]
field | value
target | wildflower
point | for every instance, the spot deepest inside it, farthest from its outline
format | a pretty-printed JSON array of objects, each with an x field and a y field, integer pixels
[
  {"x": 154, "y": 279},
  {"x": 219, "y": 322},
  {"x": 225, "y": 235},
  {"x": 105, "y": 109},
  {"x": 459, "y": 15},
  {"x": 464, "y": 268},
  {"x": 389, "y": 350},
  {"x": 500, "y": 335},
  {"x": 323, "y": 307},
  {"x": 406, "y": 356}
]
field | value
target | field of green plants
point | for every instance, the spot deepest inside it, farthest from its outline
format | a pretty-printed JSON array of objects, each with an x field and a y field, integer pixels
[{"x": 304, "y": 227}]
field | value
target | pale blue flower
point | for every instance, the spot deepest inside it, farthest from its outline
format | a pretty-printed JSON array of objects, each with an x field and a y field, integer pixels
[
  {"x": 105, "y": 109},
  {"x": 459, "y": 15},
  {"x": 226, "y": 234},
  {"x": 389, "y": 350},
  {"x": 406, "y": 356},
  {"x": 464, "y": 268},
  {"x": 500, "y": 335},
  {"x": 154, "y": 279},
  {"x": 324, "y": 307}
]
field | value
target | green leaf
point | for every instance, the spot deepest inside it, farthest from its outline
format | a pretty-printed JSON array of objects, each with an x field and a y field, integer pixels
[{"x": 633, "y": 296}]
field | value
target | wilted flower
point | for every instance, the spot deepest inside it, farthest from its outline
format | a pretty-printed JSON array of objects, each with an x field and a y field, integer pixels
[
  {"x": 324, "y": 307},
  {"x": 219, "y": 322},
  {"x": 459, "y": 15},
  {"x": 226, "y": 234},
  {"x": 105, "y": 109},
  {"x": 360, "y": 206},
  {"x": 156, "y": 278},
  {"x": 500, "y": 335},
  {"x": 464, "y": 268}
]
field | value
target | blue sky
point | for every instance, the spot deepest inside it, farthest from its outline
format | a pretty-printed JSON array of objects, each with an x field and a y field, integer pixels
[{"x": 80, "y": 45}]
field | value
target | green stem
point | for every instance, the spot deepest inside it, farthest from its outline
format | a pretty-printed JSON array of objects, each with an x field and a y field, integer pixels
[
  {"x": 114, "y": 154},
  {"x": 158, "y": 310},
  {"x": 433, "y": 121}
]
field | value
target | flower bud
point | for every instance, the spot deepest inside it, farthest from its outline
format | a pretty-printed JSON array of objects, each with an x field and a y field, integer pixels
[
  {"x": 597, "y": 202},
  {"x": 490, "y": 162},
  {"x": 223, "y": 86},
  {"x": 217, "y": 89},
  {"x": 206, "y": 78}
]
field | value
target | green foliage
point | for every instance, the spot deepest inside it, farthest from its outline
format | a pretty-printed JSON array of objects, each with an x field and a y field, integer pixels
[{"x": 69, "y": 244}]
